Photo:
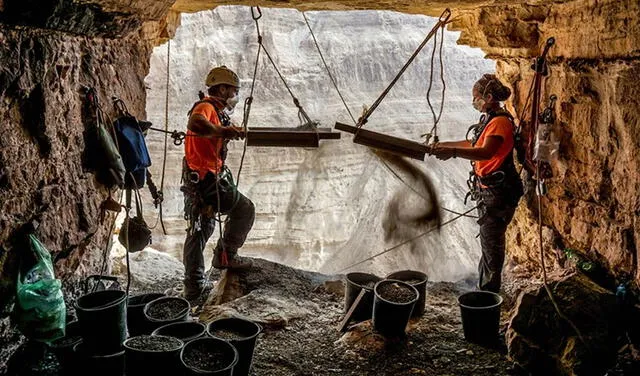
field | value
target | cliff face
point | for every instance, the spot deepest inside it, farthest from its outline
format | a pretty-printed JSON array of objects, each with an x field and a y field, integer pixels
[{"x": 326, "y": 208}]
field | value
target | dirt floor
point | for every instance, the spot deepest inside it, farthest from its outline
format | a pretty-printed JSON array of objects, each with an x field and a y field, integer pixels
[
  {"x": 434, "y": 344},
  {"x": 301, "y": 312}
]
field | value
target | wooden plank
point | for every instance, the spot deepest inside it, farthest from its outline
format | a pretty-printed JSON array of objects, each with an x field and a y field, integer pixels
[
  {"x": 323, "y": 133},
  {"x": 289, "y": 137},
  {"x": 347, "y": 317},
  {"x": 381, "y": 141}
]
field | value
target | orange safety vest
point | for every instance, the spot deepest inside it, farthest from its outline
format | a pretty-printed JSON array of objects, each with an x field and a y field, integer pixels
[{"x": 205, "y": 154}]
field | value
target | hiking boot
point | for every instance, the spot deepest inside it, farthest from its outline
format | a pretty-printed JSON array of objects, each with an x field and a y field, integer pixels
[
  {"x": 232, "y": 262},
  {"x": 194, "y": 294}
]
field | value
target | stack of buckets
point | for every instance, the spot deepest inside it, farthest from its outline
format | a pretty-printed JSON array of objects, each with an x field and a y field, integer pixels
[
  {"x": 103, "y": 320},
  {"x": 479, "y": 310},
  {"x": 388, "y": 318}
]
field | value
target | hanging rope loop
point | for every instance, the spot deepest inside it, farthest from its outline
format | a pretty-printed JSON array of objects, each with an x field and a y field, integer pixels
[{"x": 442, "y": 21}]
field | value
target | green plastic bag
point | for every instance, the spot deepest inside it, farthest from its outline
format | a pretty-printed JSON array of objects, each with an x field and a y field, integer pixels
[{"x": 40, "y": 311}]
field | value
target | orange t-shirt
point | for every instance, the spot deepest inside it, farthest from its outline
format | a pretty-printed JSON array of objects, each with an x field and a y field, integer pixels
[
  {"x": 501, "y": 127},
  {"x": 203, "y": 153}
]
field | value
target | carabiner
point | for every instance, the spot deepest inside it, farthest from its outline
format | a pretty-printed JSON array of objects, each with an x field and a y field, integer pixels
[
  {"x": 253, "y": 14},
  {"x": 444, "y": 17},
  {"x": 178, "y": 137}
]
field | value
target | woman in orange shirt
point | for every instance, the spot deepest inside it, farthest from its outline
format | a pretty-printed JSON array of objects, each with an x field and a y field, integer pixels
[{"x": 495, "y": 183}]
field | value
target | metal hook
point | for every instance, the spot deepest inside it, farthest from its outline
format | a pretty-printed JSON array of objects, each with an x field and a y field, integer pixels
[{"x": 253, "y": 14}]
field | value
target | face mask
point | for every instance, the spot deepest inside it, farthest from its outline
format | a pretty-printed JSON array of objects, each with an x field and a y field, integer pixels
[
  {"x": 478, "y": 104},
  {"x": 232, "y": 102}
]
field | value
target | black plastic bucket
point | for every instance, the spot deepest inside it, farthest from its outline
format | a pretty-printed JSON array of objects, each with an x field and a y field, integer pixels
[
  {"x": 137, "y": 324},
  {"x": 480, "y": 312},
  {"x": 221, "y": 352},
  {"x": 242, "y": 334},
  {"x": 98, "y": 364},
  {"x": 185, "y": 330},
  {"x": 152, "y": 355},
  {"x": 63, "y": 348},
  {"x": 103, "y": 321},
  {"x": 390, "y": 318},
  {"x": 355, "y": 283},
  {"x": 181, "y": 305},
  {"x": 410, "y": 276}
]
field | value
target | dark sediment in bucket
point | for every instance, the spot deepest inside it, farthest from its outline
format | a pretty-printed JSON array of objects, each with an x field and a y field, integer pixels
[
  {"x": 136, "y": 321},
  {"x": 242, "y": 334},
  {"x": 103, "y": 321},
  {"x": 419, "y": 281},
  {"x": 166, "y": 310},
  {"x": 186, "y": 330},
  {"x": 393, "y": 303},
  {"x": 209, "y": 356},
  {"x": 63, "y": 347},
  {"x": 480, "y": 313},
  {"x": 152, "y": 355},
  {"x": 356, "y": 282}
]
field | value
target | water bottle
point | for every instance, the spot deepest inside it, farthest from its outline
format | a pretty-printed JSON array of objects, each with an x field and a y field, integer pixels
[{"x": 580, "y": 262}]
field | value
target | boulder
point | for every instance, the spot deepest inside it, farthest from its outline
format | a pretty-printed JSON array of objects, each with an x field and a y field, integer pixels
[{"x": 543, "y": 343}]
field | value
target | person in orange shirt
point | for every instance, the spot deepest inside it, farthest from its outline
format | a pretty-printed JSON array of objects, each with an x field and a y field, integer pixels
[
  {"x": 208, "y": 184},
  {"x": 494, "y": 181}
]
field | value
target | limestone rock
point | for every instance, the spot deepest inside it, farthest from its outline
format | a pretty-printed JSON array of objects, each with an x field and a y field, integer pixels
[
  {"x": 542, "y": 343},
  {"x": 151, "y": 270},
  {"x": 269, "y": 294}
]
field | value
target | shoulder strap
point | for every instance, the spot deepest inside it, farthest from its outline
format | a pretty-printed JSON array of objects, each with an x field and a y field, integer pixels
[{"x": 205, "y": 100}]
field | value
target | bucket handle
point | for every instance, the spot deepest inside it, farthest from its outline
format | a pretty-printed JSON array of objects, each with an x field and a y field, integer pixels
[{"x": 98, "y": 278}]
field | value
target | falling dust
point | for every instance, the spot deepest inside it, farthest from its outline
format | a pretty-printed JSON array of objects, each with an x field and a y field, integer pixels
[{"x": 405, "y": 216}]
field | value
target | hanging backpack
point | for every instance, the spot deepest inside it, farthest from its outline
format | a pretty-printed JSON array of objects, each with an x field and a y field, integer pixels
[
  {"x": 133, "y": 147},
  {"x": 101, "y": 151},
  {"x": 134, "y": 235}
]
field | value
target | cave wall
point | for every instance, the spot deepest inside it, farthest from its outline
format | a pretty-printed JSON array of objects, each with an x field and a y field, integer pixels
[
  {"x": 593, "y": 202},
  {"x": 47, "y": 54}
]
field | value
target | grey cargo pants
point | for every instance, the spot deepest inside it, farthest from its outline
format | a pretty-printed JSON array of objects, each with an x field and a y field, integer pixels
[
  {"x": 240, "y": 218},
  {"x": 494, "y": 217}
]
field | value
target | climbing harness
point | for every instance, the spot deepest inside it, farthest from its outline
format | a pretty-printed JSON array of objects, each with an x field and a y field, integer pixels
[
  {"x": 503, "y": 173},
  {"x": 395, "y": 144}
]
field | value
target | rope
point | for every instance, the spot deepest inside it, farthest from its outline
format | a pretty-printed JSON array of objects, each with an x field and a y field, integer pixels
[
  {"x": 436, "y": 119},
  {"x": 302, "y": 114},
  {"x": 544, "y": 270},
  {"x": 406, "y": 241},
  {"x": 249, "y": 101},
  {"x": 335, "y": 85},
  {"x": 166, "y": 135},
  {"x": 443, "y": 20}
]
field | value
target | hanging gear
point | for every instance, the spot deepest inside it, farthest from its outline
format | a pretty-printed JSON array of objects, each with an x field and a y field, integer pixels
[
  {"x": 135, "y": 235},
  {"x": 101, "y": 151},
  {"x": 527, "y": 131},
  {"x": 132, "y": 147}
]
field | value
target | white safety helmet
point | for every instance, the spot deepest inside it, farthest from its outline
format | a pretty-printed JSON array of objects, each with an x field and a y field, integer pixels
[{"x": 222, "y": 76}]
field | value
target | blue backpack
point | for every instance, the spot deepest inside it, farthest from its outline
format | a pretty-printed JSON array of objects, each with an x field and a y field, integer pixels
[{"x": 133, "y": 149}]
